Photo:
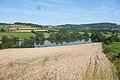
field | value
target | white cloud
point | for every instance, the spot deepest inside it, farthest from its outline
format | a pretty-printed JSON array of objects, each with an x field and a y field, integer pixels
[
  {"x": 61, "y": 1},
  {"x": 15, "y": 10}
]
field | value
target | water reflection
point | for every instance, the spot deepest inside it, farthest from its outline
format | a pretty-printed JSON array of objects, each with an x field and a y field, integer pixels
[{"x": 60, "y": 43}]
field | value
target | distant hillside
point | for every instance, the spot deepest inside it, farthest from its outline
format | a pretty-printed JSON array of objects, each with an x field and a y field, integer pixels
[
  {"x": 24, "y": 24},
  {"x": 19, "y": 23},
  {"x": 5, "y": 24},
  {"x": 94, "y": 25}
]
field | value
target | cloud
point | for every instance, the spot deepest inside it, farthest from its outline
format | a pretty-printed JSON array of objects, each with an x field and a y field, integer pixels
[
  {"x": 15, "y": 10},
  {"x": 105, "y": 12},
  {"x": 60, "y": 6},
  {"x": 61, "y": 1}
]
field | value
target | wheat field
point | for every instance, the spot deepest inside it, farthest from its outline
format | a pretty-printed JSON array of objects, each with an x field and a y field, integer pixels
[{"x": 74, "y": 62}]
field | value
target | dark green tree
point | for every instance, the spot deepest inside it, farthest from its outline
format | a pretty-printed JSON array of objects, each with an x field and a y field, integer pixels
[
  {"x": 5, "y": 39},
  {"x": 28, "y": 43},
  {"x": 2, "y": 30}
]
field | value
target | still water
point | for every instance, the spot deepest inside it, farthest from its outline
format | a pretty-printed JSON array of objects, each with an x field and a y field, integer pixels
[{"x": 48, "y": 43}]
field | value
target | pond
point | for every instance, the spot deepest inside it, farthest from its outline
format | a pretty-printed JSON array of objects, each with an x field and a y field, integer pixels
[{"x": 48, "y": 43}]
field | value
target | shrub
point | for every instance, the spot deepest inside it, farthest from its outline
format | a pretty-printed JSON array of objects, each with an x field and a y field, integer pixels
[
  {"x": 2, "y": 30},
  {"x": 1, "y": 46},
  {"x": 106, "y": 49}
]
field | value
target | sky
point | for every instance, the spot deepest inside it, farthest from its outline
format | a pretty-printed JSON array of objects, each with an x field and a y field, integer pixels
[{"x": 54, "y": 12}]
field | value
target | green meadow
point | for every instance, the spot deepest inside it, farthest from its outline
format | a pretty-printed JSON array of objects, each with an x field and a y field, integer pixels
[
  {"x": 113, "y": 53},
  {"x": 21, "y": 35}
]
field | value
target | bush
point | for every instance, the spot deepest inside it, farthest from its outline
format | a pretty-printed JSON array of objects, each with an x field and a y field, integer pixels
[
  {"x": 106, "y": 49},
  {"x": 5, "y": 40},
  {"x": 107, "y": 42},
  {"x": 32, "y": 31},
  {"x": 118, "y": 55},
  {"x": 1, "y": 47},
  {"x": 113, "y": 52},
  {"x": 2, "y": 30},
  {"x": 28, "y": 43},
  {"x": 97, "y": 37}
]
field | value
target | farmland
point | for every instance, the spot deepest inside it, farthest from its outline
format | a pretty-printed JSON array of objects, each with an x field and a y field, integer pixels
[
  {"x": 59, "y": 40},
  {"x": 21, "y": 35},
  {"x": 76, "y": 62},
  {"x": 81, "y": 62},
  {"x": 20, "y": 31},
  {"x": 109, "y": 34},
  {"x": 7, "y": 27}
]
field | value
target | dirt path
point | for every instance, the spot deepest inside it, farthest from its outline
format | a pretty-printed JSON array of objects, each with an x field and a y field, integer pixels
[{"x": 75, "y": 62}]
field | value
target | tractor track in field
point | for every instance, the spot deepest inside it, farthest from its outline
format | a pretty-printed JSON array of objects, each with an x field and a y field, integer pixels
[{"x": 74, "y": 62}]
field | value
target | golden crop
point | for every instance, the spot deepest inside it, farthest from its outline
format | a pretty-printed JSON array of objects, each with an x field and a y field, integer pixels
[{"x": 76, "y": 62}]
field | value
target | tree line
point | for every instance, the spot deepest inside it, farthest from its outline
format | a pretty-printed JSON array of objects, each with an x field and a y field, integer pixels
[{"x": 63, "y": 35}]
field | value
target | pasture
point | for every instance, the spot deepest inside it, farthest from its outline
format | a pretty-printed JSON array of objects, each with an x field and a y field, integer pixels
[
  {"x": 110, "y": 34},
  {"x": 21, "y": 35}
]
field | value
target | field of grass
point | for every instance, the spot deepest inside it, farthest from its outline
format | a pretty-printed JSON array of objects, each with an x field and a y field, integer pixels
[
  {"x": 46, "y": 35},
  {"x": 21, "y": 35},
  {"x": 20, "y": 26},
  {"x": 13, "y": 26},
  {"x": 113, "y": 49},
  {"x": 113, "y": 53},
  {"x": 7, "y": 27},
  {"x": 109, "y": 34},
  {"x": 4, "y": 27}
]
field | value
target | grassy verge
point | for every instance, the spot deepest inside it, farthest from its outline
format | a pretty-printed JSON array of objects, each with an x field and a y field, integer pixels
[{"x": 113, "y": 53}]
